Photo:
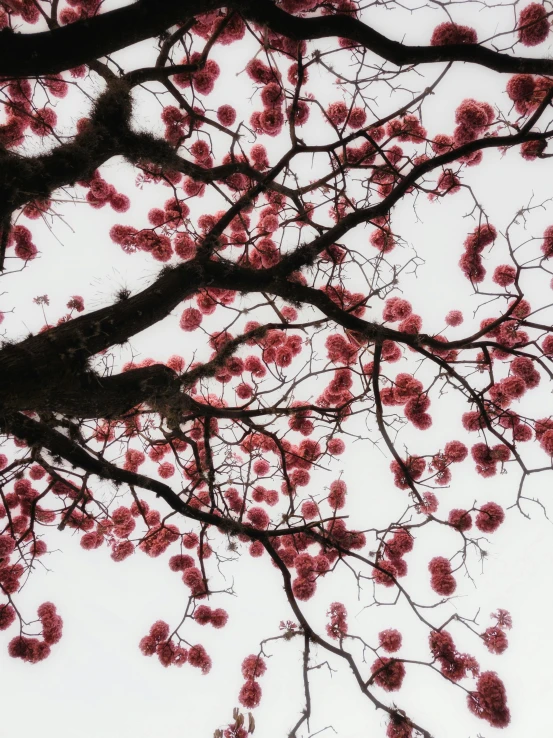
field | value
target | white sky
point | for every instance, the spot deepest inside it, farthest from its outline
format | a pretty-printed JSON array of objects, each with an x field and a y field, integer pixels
[{"x": 97, "y": 683}]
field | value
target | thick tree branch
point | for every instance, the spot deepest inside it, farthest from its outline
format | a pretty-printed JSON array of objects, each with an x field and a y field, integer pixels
[
  {"x": 267, "y": 13},
  {"x": 49, "y": 52},
  {"x": 59, "y": 49}
]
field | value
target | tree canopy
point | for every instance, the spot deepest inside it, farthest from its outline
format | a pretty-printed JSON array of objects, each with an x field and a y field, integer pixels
[{"x": 283, "y": 162}]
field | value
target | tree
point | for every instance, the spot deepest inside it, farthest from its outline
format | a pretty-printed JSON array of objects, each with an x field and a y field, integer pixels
[{"x": 284, "y": 269}]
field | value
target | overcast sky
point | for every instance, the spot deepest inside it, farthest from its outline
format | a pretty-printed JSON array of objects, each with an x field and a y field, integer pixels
[{"x": 96, "y": 682}]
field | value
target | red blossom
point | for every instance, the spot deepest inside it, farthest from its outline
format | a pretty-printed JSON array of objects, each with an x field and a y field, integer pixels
[
  {"x": 250, "y": 694},
  {"x": 30, "y": 650},
  {"x": 253, "y": 667},
  {"x": 503, "y": 619},
  {"x": 337, "y": 113},
  {"x": 258, "y": 517},
  {"x": 337, "y": 627},
  {"x": 388, "y": 673},
  {"x": 398, "y": 727},
  {"x": 197, "y": 657},
  {"x": 219, "y": 618},
  {"x": 450, "y": 33},
  {"x": 390, "y": 640},
  {"x": 337, "y": 495},
  {"x": 7, "y": 616},
  {"x": 303, "y": 589},
  {"x": 489, "y": 701},
  {"x": 490, "y": 517},
  {"x": 190, "y": 319},
  {"x": 495, "y": 640},
  {"x": 429, "y": 504},
  {"x": 504, "y": 275},
  {"x": 533, "y": 25},
  {"x": 383, "y": 574},
  {"x": 442, "y": 580},
  {"x": 460, "y": 519}
]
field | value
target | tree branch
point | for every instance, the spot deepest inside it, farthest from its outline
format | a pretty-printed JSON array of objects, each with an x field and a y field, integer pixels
[{"x": 59, "y": 49}]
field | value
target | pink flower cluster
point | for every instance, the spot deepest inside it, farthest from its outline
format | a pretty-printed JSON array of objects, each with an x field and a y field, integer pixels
[
  {"x": 174, "y": 212},
  {"x": 454, "y": 452},
  {"x": 527, "y": 92},
  {"x": 181, "y": 562},
  {"x": 386, "y": 175},
  {"x": 547, "y": 346},
  {"x": 7, "y": 616},
  {"x": 533, "y": 25},
  {"x": 405, "y": 389},
  {"x": 504, "y": 275},
  {"x": 442, "y": 580},
  {"x": 399, "y": 727},
  {"x": 33, "y": 650},
  {"x": 340, "y": 350},
  {"x": 308, "y": 569},
  {"x": 383, "y": 240},
  {"x": 509, "y": 335},
  {"x": 411, "y": 470},
  {"x": 130, "y": 239},
  {"x": 503, "y": 619},
  {"x": 407, "y": 128},
  {"x": 101, "y": 193},
  {"x": 253, "y": 667},
  {"x": 177, "y": 125},
  {"x": 159, "y": 537},
  {"x": 396, "y": 309},
  {"x": 453, "y": 665},
  {"x": 203, "y": 80},
  {"x": 278, "y": 348},
  {"x": 524, "y": 376},
  {"x": 471, "y": 261},
  {"x": 460, "y": 519},
  {"x": 198, "y": 658},
  {"x": 364, "y": 154},
  {"x": 338, "y": 392},
  {"x": 22, "y": 238},
  {"x": 233, "y": 27},
  {"x": 489, "y": 701},
  {"x": 158, "y": 642},
  {"x": 337, "y": 495},
  {"x": 495, "y": 640},
  {"x": 261, "y": 494},
  {"x": 472, "y": 118},
  {"x": 490, "y": 517},
  {"x": 338, "y": 533},
  {"x": 52, "y": 623},
  {"x": 429, "y": 504},
  {"x": 390, "y": 640},
  {"x": 270, "y": 120},
  {"x": 258, "y": 518},
  {"x": 547, "y": 243},
  {"x": 217, "y": 618},
  {"x": 487, "y": 457},
  {"x": 352, "y": 302},
  {"x": 393, "y": 564},
  {"x": 447, "y": 34},
  {"x": 454, "y": 318},
  {"x": 292, "y": 552},
  {"x": 448, "y": 184},
  {"x": 22, "y": 115},
  {"x": 337, "y": 628},
  {"x": 388, "y": 673},
  {"x": 80, "y": 10},
  {"x": 193, "y": 579}
]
